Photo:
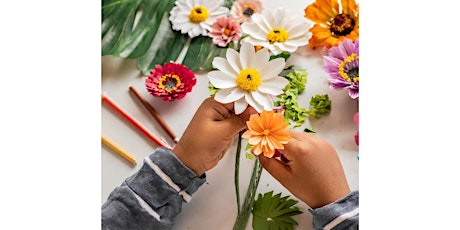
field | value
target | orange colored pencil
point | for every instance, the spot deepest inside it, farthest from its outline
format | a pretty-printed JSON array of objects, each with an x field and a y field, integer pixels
[
  {"x": 136, "y": 124},
  {"x": 155, "y": 114}
]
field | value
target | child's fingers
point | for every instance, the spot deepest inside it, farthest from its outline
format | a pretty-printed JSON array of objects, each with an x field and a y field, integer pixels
[{"x": 278, "y": 170}]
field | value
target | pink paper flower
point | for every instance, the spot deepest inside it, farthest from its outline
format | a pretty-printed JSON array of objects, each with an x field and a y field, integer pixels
[
  {"x": 356, "y": 118},
  {"x": 342, "y": 66},
  {"x": 170, "y": 82},
  {"x": 224, "y": 31}
]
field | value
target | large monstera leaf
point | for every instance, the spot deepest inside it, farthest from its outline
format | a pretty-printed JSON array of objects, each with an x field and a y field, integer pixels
[{"x": 140, "y": 29}]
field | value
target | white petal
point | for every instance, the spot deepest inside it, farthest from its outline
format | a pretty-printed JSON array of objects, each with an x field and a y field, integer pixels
[
  {"x": 285, "y": 47},
  {"x": 233, "y": 59},
  {"x": 254, "y": 41},
  {"x": 211, "y": 5},
  {"x": 223, "y": 65},
  {"x": 229, "y": 95},
  {"x": 247, "y": 54},
  {"x": 254, "y": 30},
  {"x": 196, "y": 30},
  {"x": 261, "y": 22},
  {"x": 297, "y": 42},
  {"x": 279, "y": 18},
  {"x": 181, "y": 18},
  {"x": 298, "y": 30},
  {"x": 190, "y": 3},
  {"x": 253, "y": 103},
  {"x": 275, "y": 49},
  {"x": 220, "y": 80},
  {"x": 184, "y": 7},
  {"x": 273, "y": 86},
  {"x": 263, "y": 99},
  {"x": 240, "y": 105},
  {"x": 260, "y": 61},
  {"x": 273, "y": 69},
  {"x": 268, "y": 19}
]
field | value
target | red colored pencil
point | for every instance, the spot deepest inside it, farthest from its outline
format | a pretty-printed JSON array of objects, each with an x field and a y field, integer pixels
[
  {"x": 154, "y": 114},
  {"x": 136, "y": 124}
]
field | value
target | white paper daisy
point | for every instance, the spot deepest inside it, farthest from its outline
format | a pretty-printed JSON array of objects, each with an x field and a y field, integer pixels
[
  {"x": 279, "y": 31},
  {"x": 248, "y": 77},
  {"x": 195, "y": 17}
]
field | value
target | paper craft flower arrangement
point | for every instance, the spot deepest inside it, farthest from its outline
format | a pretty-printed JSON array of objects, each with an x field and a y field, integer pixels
[{"x": 250, "y": 47}]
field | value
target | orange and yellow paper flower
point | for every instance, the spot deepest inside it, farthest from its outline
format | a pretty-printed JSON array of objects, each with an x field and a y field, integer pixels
[
  {"x": 332, "y": 24},
  {"x": 267, "y": 133}
]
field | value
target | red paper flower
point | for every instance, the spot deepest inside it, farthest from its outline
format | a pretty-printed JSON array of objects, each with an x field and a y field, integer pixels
[{"x": 170, "y": 82}]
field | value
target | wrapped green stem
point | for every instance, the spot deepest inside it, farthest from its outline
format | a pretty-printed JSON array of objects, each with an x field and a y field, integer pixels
[{"x": 243, "y": 215}]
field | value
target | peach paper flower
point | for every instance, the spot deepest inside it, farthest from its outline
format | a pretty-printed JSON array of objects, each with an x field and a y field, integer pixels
[{"x": 267, "y": 133}]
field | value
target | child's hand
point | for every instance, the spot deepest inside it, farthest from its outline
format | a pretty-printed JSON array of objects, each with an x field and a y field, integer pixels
[
  {"x": 209, "y": 135},
  {"x": 313, "y": 174}
]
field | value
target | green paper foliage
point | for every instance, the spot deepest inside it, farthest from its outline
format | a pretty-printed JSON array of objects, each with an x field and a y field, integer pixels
[
  {"x": 274, "y": 212},
  {"x": 321, "y": 105},
  {"x": 141, "y": 30},
  {"x": 297, "y": 81}
]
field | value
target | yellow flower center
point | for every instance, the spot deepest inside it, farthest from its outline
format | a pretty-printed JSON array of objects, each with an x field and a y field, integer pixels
[
  {"x": 266, "y": 132},
  {"x": 277, "y": 35},
  {"x": 351, "y": 72},
  {"x": 227, "y": 32},
  {"x": 169, "y": 82},
  {"x": 249, "y": 79},
  {"x": 198, "y": 14},
  {"x": 341, "y": 25}
]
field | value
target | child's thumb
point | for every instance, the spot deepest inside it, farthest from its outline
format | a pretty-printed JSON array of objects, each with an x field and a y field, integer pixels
[{"x": 238, "y": 122}]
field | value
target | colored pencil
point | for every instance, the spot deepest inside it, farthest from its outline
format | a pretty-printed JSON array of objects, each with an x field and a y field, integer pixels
[
  {"x": 154, "y": 114},
  {"x": 136, "y": 124},
  {"x": 118, "y": 150}
]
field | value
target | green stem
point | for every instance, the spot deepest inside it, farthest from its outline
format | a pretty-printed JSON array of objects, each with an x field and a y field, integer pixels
[
  {"x": 237, "y": 169},
  {"x": 243, "y": 216}
]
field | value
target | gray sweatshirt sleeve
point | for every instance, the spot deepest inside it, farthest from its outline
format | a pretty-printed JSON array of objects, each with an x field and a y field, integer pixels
[
  {"x": 153, "y": 196},
  {"x": 342, "y": 214}
]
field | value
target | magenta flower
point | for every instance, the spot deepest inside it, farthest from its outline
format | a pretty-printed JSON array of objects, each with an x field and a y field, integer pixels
[
  {"x": 224, "y": 31},
  {"x": 356, "y": 118},
  {"x": 342, "y": 66},
  {"x": 170, "y": 82}
]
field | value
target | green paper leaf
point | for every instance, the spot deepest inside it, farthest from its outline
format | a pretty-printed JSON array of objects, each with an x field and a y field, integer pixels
[
  {"x": 201, "y": 53},
  {"x": 274, "y": 212},
  {"x": 320, "y": 105}
]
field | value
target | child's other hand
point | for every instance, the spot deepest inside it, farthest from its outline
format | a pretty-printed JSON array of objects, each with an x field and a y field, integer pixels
[
  {"x": 313, "y": 174},
  {"x": 209, "y": 135}
]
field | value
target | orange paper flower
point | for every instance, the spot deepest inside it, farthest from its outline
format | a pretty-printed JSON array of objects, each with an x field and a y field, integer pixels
[
  {"x": 267, "y": 132},
  {"x": 332, "y": 25}
]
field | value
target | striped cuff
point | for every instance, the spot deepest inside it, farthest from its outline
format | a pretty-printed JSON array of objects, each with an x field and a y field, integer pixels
[
  {"x": 164, "y": 177},
  {"x": 342, "y": 214}
]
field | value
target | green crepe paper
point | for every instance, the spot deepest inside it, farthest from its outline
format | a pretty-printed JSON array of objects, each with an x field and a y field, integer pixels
[
  {"x": 297, "y": 81},
  {"x": 320, "y": 105}
]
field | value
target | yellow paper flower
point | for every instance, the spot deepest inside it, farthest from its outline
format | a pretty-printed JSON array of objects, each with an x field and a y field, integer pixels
[
  {"x": 332, "y": 25},
  {"x": 267, "y": 132}
]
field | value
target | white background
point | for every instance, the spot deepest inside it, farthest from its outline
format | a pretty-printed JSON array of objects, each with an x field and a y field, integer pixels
[{"x": 214, "y": 205}]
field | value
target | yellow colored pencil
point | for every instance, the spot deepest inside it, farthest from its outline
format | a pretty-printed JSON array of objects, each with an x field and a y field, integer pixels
[{"x": 120, "y": 151}]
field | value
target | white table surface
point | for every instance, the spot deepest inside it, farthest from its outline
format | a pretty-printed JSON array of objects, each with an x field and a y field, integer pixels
[{"x": 213, "y": 206}]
